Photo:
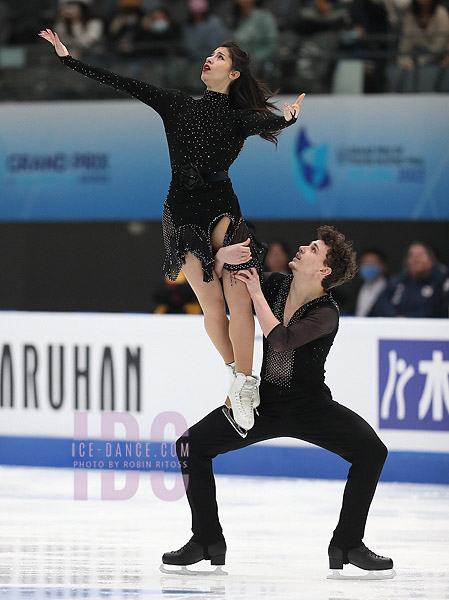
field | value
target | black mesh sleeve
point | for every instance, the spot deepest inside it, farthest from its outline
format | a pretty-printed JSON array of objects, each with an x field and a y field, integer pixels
[{"x": 321, "y": 321}]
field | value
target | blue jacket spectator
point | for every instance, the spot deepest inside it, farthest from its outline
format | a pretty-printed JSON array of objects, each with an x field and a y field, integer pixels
[
  {"x": 419, "y": 290},
  {"x": 203, "y": 31}
]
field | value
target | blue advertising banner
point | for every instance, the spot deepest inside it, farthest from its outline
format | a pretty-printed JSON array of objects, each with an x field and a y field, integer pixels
[
  {"x": 414, "y": 384},
  {"x": 381, "y": 157}
]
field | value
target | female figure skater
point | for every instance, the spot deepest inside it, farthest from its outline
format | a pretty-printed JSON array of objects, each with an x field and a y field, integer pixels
[{"x": 201, "y": 213}]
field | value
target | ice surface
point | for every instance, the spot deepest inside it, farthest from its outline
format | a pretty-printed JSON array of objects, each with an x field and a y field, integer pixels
[{"x": 277, "y": 532}]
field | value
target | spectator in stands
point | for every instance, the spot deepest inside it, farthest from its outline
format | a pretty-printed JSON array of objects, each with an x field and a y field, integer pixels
[
  {"x": 316, "y": 16},
  {"x": 371, "y": 283},
  {"x": 425, "y": 31},
  {"x": 75, "y": 23},
  {"x": 370, "y": 21},
  {"x": 278, "y": 257},
  {"x": 319, "y": 25},
  {"x": 419, "y": 290},
  {"x": 203, "y": 30},
  {"x": 125, "y": 29},
  {"x": 256, "y": 30},
  {"x": 446, "y": 294},
  {"x": 159, "y": 34}
]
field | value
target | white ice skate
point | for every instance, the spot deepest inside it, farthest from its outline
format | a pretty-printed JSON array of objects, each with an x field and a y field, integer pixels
[
  {"x": 228, "y": 414},
  {"x": 244, "y": 398},
  {"x": 230, "y": 368}
]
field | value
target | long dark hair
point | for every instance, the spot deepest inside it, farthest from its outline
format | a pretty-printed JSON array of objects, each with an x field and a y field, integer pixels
[{"x": 247, "y": 92}]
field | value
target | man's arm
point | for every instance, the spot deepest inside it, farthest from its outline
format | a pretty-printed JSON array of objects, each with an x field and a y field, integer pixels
[
  {"x": 316, "y": 324},
  {"x": 264, "y": 313}
]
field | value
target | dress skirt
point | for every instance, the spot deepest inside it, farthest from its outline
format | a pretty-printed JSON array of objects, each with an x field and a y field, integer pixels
[{"x": 188, "y": 219}]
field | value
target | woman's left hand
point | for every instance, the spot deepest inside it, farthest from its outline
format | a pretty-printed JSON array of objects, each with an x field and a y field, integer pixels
[
  {"x": 250, "y": 278},
  {"x": 292, "y": 110}
]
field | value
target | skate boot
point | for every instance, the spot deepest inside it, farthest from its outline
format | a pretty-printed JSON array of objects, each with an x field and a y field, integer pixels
[
  {"x": 230, "y": 368},
  {"x": 192, "y": 553},
  {"x": 242, "y": 395},
  {"x": 379, "y": 567}
]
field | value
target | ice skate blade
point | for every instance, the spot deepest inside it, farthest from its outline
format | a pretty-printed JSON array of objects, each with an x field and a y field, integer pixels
[
  {"x": 227, "y": 413},
  {"x": 367, "y": 575},
  {"x": 183, "y": 570}
]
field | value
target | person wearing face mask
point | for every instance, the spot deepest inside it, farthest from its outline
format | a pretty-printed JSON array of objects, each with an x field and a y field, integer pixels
[
  {"x": 372, "y": 271},
  {"x": 159, "y": 33}
]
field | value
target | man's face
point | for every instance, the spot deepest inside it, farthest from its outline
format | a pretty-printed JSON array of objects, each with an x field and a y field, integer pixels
[
  {"x": 309, "y": 260},
  {"x": 419, "y": 261}
]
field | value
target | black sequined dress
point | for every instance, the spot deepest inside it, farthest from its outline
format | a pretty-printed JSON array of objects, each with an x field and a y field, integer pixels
[{"x": 207, "y": 135}]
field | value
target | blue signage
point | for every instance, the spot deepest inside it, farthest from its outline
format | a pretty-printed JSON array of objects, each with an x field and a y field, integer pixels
[
  {"x": 414, "y": 384},
  {"x": 346, "y": 158}
]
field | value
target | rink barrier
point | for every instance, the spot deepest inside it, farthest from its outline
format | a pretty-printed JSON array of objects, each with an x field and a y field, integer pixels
[
  {"x": 67, "y": 377},
  {"x": 256, "y": 460}
]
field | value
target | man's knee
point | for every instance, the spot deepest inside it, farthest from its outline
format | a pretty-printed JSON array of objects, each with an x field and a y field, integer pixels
[
  {"x": 189, "y": 444},
  {"x": 183, "y": 447},
  {"x": 377, "y": 452}
]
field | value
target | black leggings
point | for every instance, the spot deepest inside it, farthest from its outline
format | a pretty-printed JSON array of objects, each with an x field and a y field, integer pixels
[{"x": 324, "y": 423}]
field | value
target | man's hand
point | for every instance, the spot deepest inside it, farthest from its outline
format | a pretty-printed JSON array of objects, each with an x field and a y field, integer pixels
[{"x": 250, "y": 278}]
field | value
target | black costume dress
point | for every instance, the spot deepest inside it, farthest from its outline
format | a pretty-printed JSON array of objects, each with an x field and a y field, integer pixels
[{"x": 204, "y": 138}]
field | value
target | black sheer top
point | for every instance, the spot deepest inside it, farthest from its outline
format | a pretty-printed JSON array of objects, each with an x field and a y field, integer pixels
[
  {"x": 207, "y": 132},
  {"x": 294, "y": 355}
]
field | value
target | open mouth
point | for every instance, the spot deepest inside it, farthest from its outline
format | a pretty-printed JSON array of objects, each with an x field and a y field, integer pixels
[{"x": 206, "y": 67}]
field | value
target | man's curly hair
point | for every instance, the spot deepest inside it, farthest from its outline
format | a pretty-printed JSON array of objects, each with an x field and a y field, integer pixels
[{"x": 340, "y": 257}]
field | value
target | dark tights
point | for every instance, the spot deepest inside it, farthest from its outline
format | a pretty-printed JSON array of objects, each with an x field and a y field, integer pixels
[{"x": 324, "y": 423}]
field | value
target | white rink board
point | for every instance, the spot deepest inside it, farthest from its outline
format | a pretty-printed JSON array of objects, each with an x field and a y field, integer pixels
[{"x": 175, "y": 353}]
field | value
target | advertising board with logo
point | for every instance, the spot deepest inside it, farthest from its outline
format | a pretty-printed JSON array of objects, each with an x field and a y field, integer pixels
[
  {"x": 101, "y": 391},
  {"x": 345, "y": 158}
]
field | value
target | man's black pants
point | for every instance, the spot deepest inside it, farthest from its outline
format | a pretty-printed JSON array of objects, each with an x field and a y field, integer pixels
[{"x": 322, "y": 422}]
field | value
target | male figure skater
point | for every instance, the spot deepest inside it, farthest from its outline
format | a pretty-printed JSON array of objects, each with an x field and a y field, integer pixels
[{"x": 299, "y": 320}]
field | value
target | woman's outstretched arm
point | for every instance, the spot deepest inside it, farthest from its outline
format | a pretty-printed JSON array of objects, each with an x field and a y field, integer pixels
[
  {"x": 254, "y": 123},
  {"x": 156, "y": 97}
]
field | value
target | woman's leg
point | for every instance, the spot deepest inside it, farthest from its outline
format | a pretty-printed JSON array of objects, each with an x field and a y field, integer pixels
[
  {"x": 241, "y": 323},
  {"x": 210, "y": 297}
]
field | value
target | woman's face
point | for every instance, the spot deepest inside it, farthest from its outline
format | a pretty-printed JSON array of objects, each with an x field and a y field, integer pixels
[{"x": 217, "y": 70}]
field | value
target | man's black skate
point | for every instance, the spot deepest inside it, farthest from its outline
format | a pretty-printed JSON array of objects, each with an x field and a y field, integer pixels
[
  {"x": 193, "y": 553},
  {"x": 380, "y": 567}
]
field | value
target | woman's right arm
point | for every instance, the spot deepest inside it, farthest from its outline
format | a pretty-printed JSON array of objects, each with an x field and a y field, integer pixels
[{"x": 152, "y": 95}]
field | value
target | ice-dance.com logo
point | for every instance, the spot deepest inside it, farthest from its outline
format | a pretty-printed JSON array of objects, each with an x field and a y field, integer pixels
[{"x": 130, "y": 455}]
